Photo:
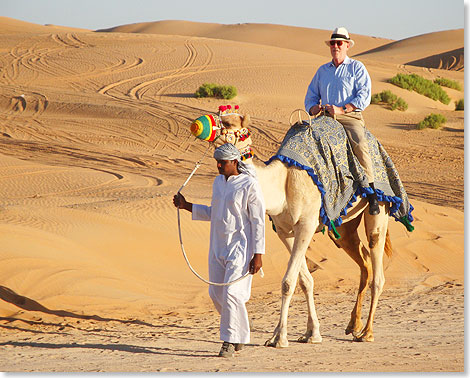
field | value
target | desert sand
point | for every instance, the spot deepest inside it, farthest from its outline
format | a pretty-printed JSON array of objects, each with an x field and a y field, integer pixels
[{"x": 94, "y": 143}]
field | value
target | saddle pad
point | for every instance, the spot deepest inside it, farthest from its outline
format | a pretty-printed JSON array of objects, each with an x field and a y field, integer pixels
[{"x": 323, "y": 150}]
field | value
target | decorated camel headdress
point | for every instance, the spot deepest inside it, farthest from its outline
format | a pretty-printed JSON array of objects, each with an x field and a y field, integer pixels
[{"x": 210, "y": 127}]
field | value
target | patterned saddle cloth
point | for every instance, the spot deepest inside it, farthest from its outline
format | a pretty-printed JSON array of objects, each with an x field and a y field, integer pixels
[{"x": 324, "y": 151}]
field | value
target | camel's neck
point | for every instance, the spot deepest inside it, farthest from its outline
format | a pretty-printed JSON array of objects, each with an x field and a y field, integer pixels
[{"x": 272, "y": 179}]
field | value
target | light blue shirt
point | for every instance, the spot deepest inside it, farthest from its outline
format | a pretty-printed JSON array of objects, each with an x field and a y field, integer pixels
[{"x": 349, "y": 83}]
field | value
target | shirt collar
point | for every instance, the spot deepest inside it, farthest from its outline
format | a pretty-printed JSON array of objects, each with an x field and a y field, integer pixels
[{"x": 347, "y": 60}]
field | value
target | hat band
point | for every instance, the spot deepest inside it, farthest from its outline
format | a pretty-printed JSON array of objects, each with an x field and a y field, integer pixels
[{"x": 336, "y": 36}]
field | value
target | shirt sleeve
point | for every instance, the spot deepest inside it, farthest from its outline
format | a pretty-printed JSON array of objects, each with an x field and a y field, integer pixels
[
  {"x": 313, "y": 93},
  {"x": 363, "y": 87},
  {"x": 257, "y": 210},
  {"x": 201, "y": 212}
]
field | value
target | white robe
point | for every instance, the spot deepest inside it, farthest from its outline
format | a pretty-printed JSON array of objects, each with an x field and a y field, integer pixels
[{"x": 237, "y": 215}]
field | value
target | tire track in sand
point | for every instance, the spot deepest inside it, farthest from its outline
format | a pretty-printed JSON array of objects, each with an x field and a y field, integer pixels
[{"x": 189, "y": 65}]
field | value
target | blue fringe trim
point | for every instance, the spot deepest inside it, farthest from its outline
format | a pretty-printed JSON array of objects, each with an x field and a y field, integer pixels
[{"x": 394, "y": 201}]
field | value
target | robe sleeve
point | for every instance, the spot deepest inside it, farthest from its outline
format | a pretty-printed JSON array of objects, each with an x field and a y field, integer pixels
[
  {"x": 201, "y": 212},
  {"x": 257, "y": 210}
]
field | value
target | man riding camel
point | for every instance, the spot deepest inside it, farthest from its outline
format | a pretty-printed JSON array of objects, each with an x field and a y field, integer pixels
[{"x": 342, "y": 88}]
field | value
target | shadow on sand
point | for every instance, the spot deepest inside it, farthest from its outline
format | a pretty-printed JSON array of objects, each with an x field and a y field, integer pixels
[{"x": 29, "y": 304}]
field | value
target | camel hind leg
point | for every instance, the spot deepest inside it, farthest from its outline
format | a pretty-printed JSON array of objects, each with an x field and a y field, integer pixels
[{"x": 353, "y": 246}]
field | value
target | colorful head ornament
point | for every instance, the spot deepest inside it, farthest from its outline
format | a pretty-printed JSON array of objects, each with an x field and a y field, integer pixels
[
  {"x": 225, "y": 110},
  {"x": 205, "y": 128}
]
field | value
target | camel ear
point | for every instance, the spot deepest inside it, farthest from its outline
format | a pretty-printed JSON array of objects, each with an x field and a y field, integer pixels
[{"x": 246, "y": 120}]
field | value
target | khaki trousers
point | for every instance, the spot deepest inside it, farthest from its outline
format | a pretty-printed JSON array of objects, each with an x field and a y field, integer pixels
[{"x": 354, "y": 126}]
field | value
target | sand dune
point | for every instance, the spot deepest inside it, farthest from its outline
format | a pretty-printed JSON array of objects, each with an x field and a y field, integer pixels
[
  {"x": 451, "y": 60},
  {"x": 13, "y": 26},
  {"x": 439, "y": 50},
  {"x": 407, "y": 51},
  {"x": 94, "y": 142},
  {"x": 309, "y": 40}
]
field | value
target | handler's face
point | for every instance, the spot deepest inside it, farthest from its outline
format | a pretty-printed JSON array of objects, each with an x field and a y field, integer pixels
[{"x": 227, "y": 167}]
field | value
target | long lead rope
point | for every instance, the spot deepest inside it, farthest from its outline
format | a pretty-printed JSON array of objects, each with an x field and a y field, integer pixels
[{"x": 198, "y": 164}]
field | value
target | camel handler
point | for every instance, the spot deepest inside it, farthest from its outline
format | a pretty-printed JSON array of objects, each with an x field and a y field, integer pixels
[
  {"x": 237, "y": 242},
  {"x": 342, "y": 88}
]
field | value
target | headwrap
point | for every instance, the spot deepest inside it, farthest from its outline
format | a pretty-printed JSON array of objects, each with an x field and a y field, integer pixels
[{"x": 228, "y": 151}]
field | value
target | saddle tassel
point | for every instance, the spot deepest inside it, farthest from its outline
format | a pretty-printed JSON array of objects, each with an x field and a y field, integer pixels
[
  {"x": 334, "y": 230},
  {"x": 407, "y": 223}
]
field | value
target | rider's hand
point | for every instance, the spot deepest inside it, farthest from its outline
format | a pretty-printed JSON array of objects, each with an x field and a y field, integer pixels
[
  {"x": 314, "y": 110},
  {"x": 333, "y": 110}
]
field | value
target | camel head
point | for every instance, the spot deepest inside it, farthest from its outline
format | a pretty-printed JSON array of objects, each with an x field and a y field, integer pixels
[{"x": 226, "y": 127}]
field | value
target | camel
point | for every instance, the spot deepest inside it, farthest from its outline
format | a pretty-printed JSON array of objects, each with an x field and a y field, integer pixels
[{"x": 293, "y": 202}]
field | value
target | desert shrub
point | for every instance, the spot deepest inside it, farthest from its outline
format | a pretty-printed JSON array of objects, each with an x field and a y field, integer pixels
[
  {"x": 400, "y": 104},
  {"x": 459, "y": 104},
  {"x": 433, "y": 121},
  {"x": 422, "y": 86},
  {"x": 448, "y": 83},
  {"x": 389, "y": 98},
  {"x": 219, "y": 91},
  {"x": 376, "y": 98}
]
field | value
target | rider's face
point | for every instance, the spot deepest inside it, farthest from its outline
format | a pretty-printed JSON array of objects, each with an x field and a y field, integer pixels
[{"x": 339, "y": 50}]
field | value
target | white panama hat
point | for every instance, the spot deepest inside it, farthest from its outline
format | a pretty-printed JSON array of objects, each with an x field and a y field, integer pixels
[{"x": 340, "y": 34}]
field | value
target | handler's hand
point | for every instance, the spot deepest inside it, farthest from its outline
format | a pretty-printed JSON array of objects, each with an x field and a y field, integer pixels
[
  {"x": 256, "y": 263},
  {"x": 180, "y": 201}
]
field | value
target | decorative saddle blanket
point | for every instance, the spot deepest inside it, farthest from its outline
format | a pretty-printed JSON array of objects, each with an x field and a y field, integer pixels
[{"x": 324, "y": 151}]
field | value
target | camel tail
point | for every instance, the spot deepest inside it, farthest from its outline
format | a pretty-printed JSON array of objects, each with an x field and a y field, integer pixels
[{"x": 388, "y": 245}]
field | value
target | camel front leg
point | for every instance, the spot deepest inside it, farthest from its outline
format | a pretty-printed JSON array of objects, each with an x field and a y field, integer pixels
[
  {"x": 376, "y": 230},
  {"x": 303, "y": 233},
  {"x": 312, "y": 335}
]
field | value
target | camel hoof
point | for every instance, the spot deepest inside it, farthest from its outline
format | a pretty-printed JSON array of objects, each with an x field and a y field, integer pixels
[
  {"x": 310, "y": 339},
  {"x": 356, "y": 331},
  {"x": 364, "y": 338},
  {"x": 276, "y": 343}
]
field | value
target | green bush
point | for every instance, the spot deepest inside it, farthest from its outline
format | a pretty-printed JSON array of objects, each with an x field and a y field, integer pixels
[
  {"x": 400, "y": 104},
  {"x": 459, "y": 104},
  {"x": 448, "y": 83},
  {"x": 433, "y": 121},
  {"x": 219, "y": 91},
  {"x": 387, "y": 97},
  {"x": 421, "y": 85}
]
